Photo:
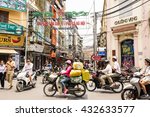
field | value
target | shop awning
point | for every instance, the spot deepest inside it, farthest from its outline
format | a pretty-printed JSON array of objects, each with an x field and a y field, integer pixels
[{"x": 7, "y": 51}]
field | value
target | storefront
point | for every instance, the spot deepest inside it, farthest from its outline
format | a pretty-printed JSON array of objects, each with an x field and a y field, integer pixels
[
  {"x": 12, "y": 45},
  {"x": 34, "y": 53}
]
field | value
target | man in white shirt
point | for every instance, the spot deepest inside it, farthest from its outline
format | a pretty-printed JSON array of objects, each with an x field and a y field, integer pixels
[
  {"x": 28, "y": 67},
  {"x": 116, "y": 70},
  {"x": 106, "y": 71},
  {"x": 116, "y": 67}
]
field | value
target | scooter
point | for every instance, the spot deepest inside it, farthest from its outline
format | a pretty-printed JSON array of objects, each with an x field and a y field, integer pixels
[
  {"x": 45, "y": 76},
  {"x": 95, "y": 83},
  {"x": 23, "y": 81},
  {"x": 54, "y": 85},
  {"x": 133, "y": 90}
]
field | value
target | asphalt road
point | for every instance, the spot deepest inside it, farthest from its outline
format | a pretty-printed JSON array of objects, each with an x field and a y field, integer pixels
[{"x": 37, "y": 94}]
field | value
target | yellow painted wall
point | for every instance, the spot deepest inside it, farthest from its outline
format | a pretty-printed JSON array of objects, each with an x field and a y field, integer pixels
[{"x": 16, "y": 16}]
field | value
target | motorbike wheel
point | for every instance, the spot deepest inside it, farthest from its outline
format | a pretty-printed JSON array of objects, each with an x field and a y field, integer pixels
[
  {"x": 119, "y": 88},
  {"x": 81, "y": 90},
  {"x": 49, "y": 90},
  {"x": 91, "y": 85},
  {"x": 19, "y": 87},
  {"x": 128, "y": 94}
]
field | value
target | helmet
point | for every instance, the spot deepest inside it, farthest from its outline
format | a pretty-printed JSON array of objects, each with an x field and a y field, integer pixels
[
  {"x": 106, "y": 61},
  {"x": 147, "y": 60},
  {"x": 68, "y": 62},
  {"x": 114, "y": 57}
]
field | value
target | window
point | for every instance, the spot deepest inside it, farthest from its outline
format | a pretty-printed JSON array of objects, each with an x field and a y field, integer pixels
[
  {"x": 122, "y": 12},
  {"x": 4, "y": 16}
]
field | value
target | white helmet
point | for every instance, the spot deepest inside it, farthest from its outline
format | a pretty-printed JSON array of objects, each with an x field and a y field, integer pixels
[
  {"x": 68, "y": 62},
  {"x": 114, "y": 57}
]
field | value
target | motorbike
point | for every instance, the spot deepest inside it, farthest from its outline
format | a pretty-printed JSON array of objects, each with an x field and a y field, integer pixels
[
  {"x": 45, "y": 76},
  {"x": 15, "y": 74},
  {"x": 94, "y": 83},
  {"x": 54, "y": 85},
  {"x": 23, "y": 81},
  {"x": 133, "y": 90},
  {"x": 128, "y": 73}
]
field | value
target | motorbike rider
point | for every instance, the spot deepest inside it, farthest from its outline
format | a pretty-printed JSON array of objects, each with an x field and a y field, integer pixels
[
  {"x": 28, "y": 67},
  {"x": 48, "y": 66},
  {"x": 116, "y": 69},
  {"x": 106, "y": 71},
  {"x": 146, "y": 77},
  {"x": 66, "y": 75}
]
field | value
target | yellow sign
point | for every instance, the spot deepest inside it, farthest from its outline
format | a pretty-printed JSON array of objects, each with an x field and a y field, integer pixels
[{"x": 11, "y": 40}]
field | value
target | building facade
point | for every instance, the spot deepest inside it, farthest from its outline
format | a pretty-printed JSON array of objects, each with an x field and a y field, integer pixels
[
  {"x": 128, "y": 31},
  {"x": 12, "y": 31}
]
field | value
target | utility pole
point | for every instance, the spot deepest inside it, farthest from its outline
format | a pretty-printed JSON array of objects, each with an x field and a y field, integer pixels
[
  {"x": 73, "y": 43},
  {"x": 27, "y": 31},
  {"x": 94, "y": 34}
]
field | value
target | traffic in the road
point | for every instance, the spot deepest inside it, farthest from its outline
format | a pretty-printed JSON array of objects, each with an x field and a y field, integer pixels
[{"x": 76, "y": 81}]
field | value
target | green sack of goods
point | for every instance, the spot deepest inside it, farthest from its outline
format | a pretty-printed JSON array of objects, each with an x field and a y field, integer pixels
[
  {"x": 75, "y": 73},
  {"x": 77, "y": 66},
  {"x": 76, "y": 79}
]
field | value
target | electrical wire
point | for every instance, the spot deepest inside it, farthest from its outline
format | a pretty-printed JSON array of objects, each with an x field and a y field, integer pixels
[
  {"x": 128, "y": 10},
  {"x": 114, "y": 6},
  {"x": 122, "y": 8}
]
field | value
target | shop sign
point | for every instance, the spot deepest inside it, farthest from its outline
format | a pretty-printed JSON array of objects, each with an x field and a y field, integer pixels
[
  {"x": 61, "y": 13},
  {"x": 11, "y": 40},
  {"x": 6, "y": 28},
  {"x": 127, "y": 20},
  {"x": 36, "y": 48},
  {"x": 18, "y": 5}
]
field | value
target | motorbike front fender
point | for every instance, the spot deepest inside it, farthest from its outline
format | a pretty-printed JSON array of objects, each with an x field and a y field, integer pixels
[
  {"x": 129, "y": 86},
  {"x": 59, "y": 86}
]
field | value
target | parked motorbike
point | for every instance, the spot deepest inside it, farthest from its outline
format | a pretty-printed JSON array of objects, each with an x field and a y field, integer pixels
[
  {"x": 23, "y": 81},
  {"x": 54, "y": 85},
  {"x": 45, "y": 76},
  {"x": 95, "y": 83},
  {"x": 133, "y": 90}
]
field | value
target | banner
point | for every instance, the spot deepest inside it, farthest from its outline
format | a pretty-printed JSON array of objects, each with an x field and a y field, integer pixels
[{"x": 11, "y": 40}]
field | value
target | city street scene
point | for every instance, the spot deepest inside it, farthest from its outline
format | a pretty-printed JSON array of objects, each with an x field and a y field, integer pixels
[{"x": 74, "y": 50}]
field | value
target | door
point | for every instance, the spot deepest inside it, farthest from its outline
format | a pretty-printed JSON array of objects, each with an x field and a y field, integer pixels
[{"x": 127, "y": 53}]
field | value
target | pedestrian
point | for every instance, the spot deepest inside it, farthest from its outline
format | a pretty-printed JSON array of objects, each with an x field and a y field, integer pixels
[
  {"x": 2, "y": 73},
  {"x": 10, "y": 66}
]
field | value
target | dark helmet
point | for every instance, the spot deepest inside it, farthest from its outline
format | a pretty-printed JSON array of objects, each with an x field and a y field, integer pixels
[{"x": 147, "y": 60}]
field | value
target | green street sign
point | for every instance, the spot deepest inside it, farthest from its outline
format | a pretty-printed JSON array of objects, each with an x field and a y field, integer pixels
[
  {"x": 6, "y": 28},
  {"x": 18, "y": 5}
]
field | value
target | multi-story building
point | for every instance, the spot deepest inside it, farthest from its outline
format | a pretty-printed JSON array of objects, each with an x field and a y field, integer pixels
[
  {"x": 128, "y": 31},
  {"x": 12, "y": 33}
]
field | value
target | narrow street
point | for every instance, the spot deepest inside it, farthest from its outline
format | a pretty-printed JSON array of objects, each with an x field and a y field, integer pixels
[{"x": 37, "y": 94}]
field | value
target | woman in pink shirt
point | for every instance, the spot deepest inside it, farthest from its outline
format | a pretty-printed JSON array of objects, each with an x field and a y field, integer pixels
[{"x": 66, "y": 75}]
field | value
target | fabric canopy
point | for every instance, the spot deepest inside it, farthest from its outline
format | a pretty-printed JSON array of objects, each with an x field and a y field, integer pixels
[{"x": 8, "y": 51}]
